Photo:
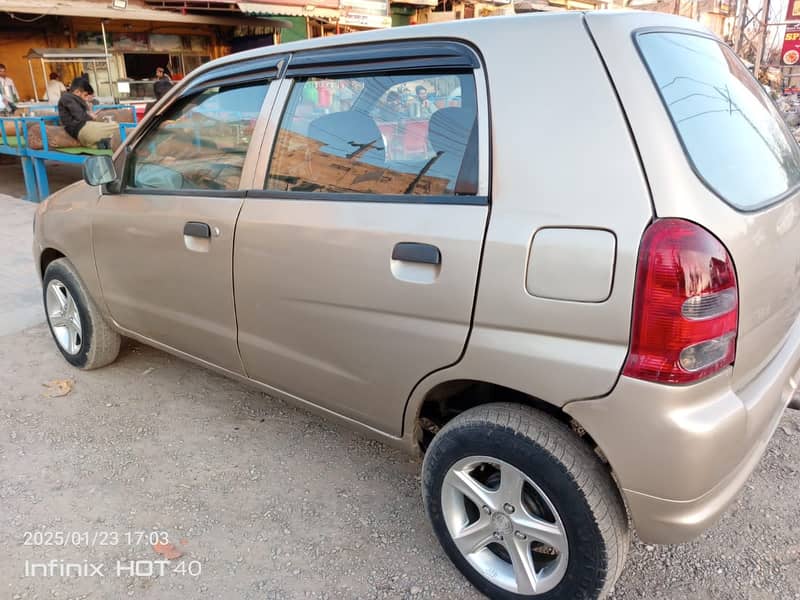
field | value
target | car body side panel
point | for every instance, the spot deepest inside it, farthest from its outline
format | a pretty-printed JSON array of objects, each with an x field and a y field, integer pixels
[
  {"x": 322, "y": 313},
  {"x": 569, "y": 162},
  {"x": 763, "y": 244},
  {"x": 156, "y": 285},
  {"x": 326, "y": 314},
  {"x": 63, "y": 223}
]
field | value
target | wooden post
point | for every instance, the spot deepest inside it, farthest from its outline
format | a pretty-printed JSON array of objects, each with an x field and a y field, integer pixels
[
  {"x": 744, "y": 6},
  {"x": 33, "y": 80},
  {"x": 44, "y": 74},
  {"x": 762, "y": 36}
]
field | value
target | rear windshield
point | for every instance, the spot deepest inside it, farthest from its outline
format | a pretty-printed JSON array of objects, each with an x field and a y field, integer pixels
[{"x": 729, "y": 127}]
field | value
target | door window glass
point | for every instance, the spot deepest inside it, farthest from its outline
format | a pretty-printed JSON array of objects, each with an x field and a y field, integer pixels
[
  {"x": 382, "y": 134},
  {"x": 201, "y": 143}
]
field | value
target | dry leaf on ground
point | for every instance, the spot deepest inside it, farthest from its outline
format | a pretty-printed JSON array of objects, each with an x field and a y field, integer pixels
[
  {"x": 58, "y": 388},
  {"x": 168, "y": 551}
]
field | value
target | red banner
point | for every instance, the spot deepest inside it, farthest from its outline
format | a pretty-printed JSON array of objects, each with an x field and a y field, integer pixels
[{"x": 790, "y": 55}]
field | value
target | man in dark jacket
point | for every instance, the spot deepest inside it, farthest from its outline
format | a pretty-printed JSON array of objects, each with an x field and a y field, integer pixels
[
  {"x": 160, "y": 87},
  {"x": 79, "y": 121}
]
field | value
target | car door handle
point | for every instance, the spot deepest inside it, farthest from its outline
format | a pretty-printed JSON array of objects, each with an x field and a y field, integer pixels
[
  {"x": 197, "y": 229},
  {"x": 418, "y": 253}
]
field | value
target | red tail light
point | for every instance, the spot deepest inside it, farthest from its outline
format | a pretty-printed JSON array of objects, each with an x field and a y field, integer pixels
[{"x": 685, "y": 306}]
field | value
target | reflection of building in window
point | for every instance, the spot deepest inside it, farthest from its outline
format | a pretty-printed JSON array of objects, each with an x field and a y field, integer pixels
[
  {"x": 359, "y": 136},
  {"x": 203, "y": 145},
  {"x": 300, "y": 164}
]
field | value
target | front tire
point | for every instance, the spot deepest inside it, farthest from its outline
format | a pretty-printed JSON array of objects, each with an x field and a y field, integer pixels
[
  {"x": 80, "y": 331},
  {"x": 522, "y": 507}
]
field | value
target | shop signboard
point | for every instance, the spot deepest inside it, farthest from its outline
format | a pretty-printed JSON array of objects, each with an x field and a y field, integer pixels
[
  {"x": 365, "y": 13},
  {"x": 721, "y": 7},
  {"x": 793, "y": 10},
  {"x": 198, "y": 43},
  {"x": 160, "y": 42},
  {"x": 130, "y": 41},
  {"x": 790, "y": 54},
  {"x": 90, "y": 39}
]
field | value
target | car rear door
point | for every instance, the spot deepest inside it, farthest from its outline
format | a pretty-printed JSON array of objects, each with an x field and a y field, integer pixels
[
  {"x": 163, "y": 236},
  {"x": 357, "y": 256},
  {"x": 716, "y": 152}
]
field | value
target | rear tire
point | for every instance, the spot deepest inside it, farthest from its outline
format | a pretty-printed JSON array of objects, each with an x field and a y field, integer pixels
[
  {"x": 505, "y": 480},
  {"x": 80, "y": 331}
]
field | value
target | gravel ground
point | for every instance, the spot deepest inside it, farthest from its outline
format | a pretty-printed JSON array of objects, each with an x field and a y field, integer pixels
[
  {"x": 266, "y": 500},
  {"x": 274, "y": 502}
]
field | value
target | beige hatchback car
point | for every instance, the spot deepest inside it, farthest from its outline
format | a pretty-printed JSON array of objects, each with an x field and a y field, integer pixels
[{"x": 581, "y": 306}]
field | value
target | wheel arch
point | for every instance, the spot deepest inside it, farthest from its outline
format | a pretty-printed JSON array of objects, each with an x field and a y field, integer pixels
[
  {"x": 447, "y": 399},
  {"x": 47, "y": 256}
]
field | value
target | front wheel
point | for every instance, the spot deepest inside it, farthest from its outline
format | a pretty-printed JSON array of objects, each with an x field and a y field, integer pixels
[
  {"x": 522, "y": 507},
  {"x": 80, "y": 331}
]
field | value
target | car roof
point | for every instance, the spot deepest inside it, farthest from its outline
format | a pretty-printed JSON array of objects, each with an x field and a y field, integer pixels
[{"x": 462, "y": 29}]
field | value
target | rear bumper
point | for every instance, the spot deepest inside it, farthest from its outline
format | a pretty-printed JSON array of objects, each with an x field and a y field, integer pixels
[{"x": 681, "y": 454}]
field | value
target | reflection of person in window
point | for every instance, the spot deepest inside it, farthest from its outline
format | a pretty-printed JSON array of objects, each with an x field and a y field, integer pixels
[
  {"x": 423, "y": 107},
  {"x": 391, "y": 109}
]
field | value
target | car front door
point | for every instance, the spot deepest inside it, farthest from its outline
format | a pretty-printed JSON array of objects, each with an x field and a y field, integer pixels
[
  {"x": 356, "y": 265},
  {"x": 163, "y": 243}
]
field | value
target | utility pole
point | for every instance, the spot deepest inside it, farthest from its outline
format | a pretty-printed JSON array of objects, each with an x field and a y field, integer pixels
[
  {"x": 744, "y": 6},
  {"x": 762, "y": 37}
]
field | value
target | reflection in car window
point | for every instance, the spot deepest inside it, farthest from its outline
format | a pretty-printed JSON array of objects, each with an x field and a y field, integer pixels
[
  {"x": 398, "y": 134},
  {"x": 201, "y": 143},
  {"x": 731, "y": 130}
]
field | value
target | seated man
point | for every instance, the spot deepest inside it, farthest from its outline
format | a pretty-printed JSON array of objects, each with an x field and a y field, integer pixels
[{"x": 79, "y": 121}]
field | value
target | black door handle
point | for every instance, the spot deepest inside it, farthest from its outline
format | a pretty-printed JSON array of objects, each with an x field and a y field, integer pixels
[
  {"x": 419, "y": 253},
  {"x": 197, "y": 229}
]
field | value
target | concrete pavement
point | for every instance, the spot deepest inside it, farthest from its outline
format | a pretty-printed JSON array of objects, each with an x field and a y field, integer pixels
[{"x": 20, "y": 294}]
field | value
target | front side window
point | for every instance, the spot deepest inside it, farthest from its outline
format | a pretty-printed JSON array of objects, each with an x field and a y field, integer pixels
[
  {"x": 200, "y": 143},
  {"x": 730, "y": 129},
  {"x": 382, "y": 134}
]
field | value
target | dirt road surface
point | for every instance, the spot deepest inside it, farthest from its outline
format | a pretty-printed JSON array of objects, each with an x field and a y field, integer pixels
[{"x": 262, "y": 500}]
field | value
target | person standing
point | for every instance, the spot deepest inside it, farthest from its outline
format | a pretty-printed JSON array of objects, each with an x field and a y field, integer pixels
[
  {"x": 54, "y": 89},
  {"x": 79, "y": 121},
  {"x": 422, "y": 107},
  {"x": 160, "y": 87},
  {"x": 8, "y": 92}
]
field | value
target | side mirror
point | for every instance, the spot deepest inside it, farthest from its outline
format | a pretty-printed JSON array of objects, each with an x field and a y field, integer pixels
[{"x": 99, "y": 170}]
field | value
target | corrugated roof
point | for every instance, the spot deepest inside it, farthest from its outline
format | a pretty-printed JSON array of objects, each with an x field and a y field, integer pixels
[
  {"x": 290, "y": 10},
  {"x": 136, "y": 11},
  {"x": 46, "y": 53}
]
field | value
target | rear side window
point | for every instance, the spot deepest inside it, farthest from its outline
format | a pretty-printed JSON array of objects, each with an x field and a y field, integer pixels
[
  {"x": 383, "y": 134},
  {"x": 729, "y": 127}
]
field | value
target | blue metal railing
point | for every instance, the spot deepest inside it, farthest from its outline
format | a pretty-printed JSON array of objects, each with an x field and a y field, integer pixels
[{"x": 34, "y": 168}]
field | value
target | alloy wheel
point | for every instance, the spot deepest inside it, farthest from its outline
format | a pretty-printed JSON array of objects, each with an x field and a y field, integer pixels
[
  {"x": 504, "y": 525},
  {"x": 65, "y": 320}
]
